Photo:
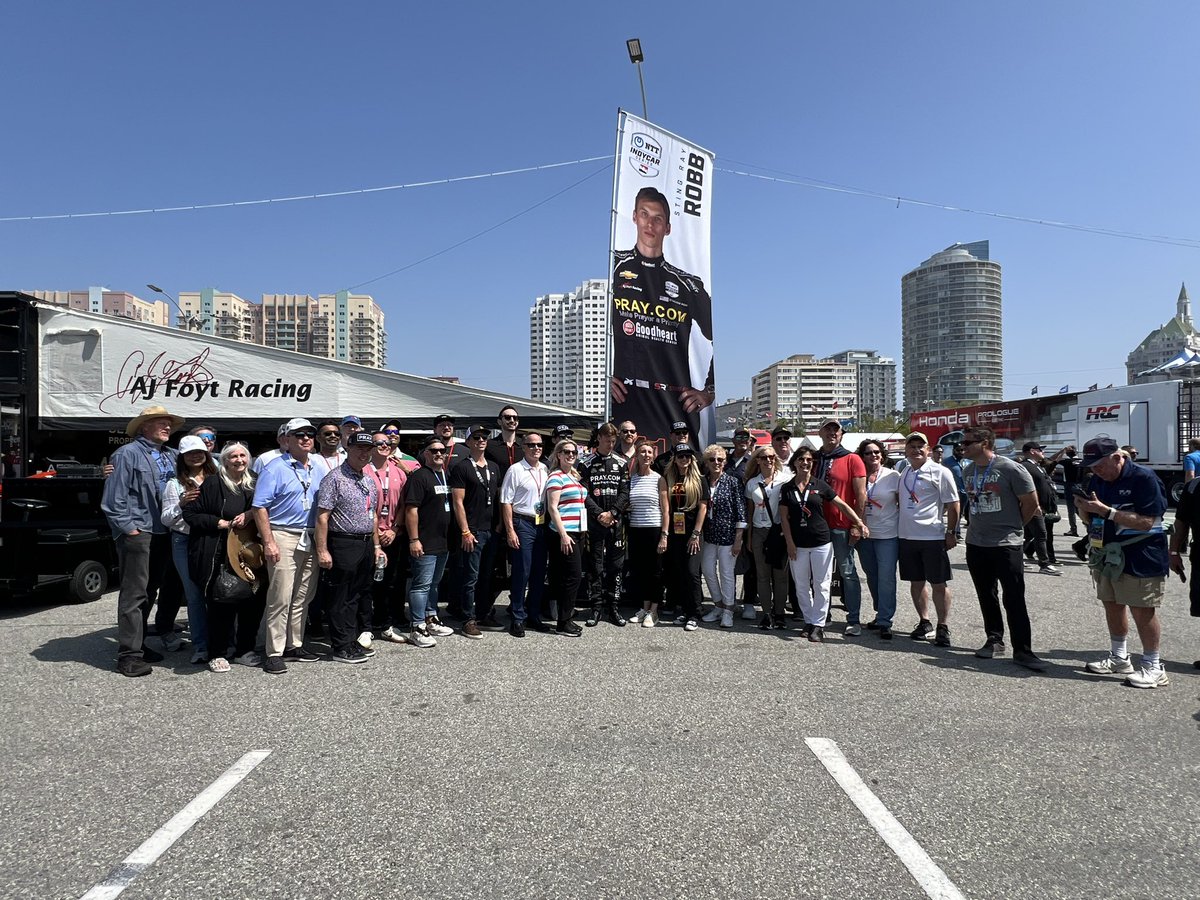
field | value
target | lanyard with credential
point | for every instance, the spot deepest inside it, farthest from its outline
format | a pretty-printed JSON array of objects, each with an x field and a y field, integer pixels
[
  {"x": 303, "y": 484},
  {"x": 911, "y": 490},
  {"x": 978, "y": 483}
]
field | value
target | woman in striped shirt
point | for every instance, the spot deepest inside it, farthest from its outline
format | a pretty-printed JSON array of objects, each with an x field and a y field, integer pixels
[{"x": 565, "y": 502}]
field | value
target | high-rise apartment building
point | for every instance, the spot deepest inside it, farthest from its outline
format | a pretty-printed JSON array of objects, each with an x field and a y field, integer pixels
[
  {"x": 733, "y": 413},
  {"x": 807, "y": 389},
  {"x": 343, "y": 326},
  {"x": 110, "y": 303},
  {"x": 567, "y": 347},
  {"x": 876, "y": 382},
  {"x": 220, "y": 313},
  {"x": 952, "y": 332}
]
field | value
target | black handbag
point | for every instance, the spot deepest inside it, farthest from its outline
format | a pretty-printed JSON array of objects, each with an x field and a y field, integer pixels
[
  {"x": 774, "y": 546},
  {"x": 228, "y": 587}
]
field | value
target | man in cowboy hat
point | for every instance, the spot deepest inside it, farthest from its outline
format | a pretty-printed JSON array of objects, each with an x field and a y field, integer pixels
[{"x": 132, "y": 502}]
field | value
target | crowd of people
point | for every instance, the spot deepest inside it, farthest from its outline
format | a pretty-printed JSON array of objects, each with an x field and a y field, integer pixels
[{"x": 338, "y": 534}]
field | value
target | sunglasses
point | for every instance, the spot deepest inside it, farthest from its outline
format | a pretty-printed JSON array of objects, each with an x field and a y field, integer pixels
[
  {"x": 533, "y": 446},
  {"x": 568, "y": 452},
  {"x": 871, "y": 453},
  {"x": 969, "y": 443},
  {"x": 329, "y": 434},
  {"x": 382, "y": 444},
  {"x": 439, "y": 451},
  {"x": 478, "y": 437},
  {"x": 207, "y": 436},
  {"x": 767, "y": 456},
  {"x": 305, "y": 435},
  {"x": 391, "y": 431},
  {"x": 511, "y": 418},
  {"x": 628, "y": 431}
]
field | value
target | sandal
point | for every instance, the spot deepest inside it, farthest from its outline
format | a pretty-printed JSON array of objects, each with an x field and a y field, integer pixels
[{"x": 219, "y": 664}]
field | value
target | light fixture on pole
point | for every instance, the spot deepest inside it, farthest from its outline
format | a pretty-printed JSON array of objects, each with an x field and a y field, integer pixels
[
  {"x": 189, "y": 322},
  {"x": 634, "y": 45}
]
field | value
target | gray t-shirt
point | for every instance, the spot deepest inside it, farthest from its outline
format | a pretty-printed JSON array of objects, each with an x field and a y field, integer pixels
[{"x": 995, "y": 511}]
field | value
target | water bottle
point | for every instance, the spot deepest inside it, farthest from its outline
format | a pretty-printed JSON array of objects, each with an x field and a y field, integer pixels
[{"x": 380, "y": 565}]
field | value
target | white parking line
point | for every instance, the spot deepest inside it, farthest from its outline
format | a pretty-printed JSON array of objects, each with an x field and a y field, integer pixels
[
  {"x": 159, "y": 842},
  {"x": 931, "y": 878}
]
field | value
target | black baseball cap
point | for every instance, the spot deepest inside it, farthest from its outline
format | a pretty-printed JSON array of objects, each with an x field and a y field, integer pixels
[
  {"x": 781, "y": 431},
  {"x": 1031, "y": 445},
  {"x": 478, "y": 429},
  {"x": 562, "y": 431},
  {"x": 1097, "y": 449},
  {"x": 360, "y": 439},
  {"x": 741, "y": 435},
  {"x": 684, "y": 450},
  {"x": 444, "y": 417},
  {"x": 680, "y": 428}
]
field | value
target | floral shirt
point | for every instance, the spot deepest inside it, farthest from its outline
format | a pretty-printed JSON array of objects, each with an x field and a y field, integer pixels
[{"x": 726, "y": 511}]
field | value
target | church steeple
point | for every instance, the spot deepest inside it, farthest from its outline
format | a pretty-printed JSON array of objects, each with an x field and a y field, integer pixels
[{"x": 1183, "y": 306}]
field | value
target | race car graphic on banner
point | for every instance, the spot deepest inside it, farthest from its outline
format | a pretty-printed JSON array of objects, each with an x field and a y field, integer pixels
[{"x": 660, "y": 315}]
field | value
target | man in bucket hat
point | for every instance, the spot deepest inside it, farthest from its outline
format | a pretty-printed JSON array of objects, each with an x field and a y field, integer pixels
[{"x": 132, "y": 502}]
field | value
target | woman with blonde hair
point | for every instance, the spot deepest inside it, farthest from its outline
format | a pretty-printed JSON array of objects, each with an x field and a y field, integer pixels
[
  {"x": 566, "y": 506},
  {"x": 765, "y": 477},
  {"x": 224, "y": 503},
  {"x": 646, "y": 534},
  {"x": 724, "y": 528},
  {"x": 687, "y": 498}
]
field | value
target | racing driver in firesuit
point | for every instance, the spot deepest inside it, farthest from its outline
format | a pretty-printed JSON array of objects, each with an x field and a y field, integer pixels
[{"x": 654, "y": 305}]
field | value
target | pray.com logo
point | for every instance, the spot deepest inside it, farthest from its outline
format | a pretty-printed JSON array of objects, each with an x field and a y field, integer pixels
[{"x": 645, "y": 155}]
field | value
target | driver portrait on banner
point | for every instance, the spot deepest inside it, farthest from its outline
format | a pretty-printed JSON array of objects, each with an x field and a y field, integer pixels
[{"x": 655, "y": 306}]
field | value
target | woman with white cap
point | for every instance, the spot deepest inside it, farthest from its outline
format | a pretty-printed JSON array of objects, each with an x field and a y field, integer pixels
[{"x": 193, "y": 464}]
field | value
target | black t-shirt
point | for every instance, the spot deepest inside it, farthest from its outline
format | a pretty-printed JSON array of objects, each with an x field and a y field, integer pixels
[
  {"x": 503, "y": 455},
  {"x": 429, "y": 492},
  {"x": 677, "y": 500},
  {"x": 1187, "y": 515},
  {"x": 806, "y": 512},
  {"x": 481, "y": 491}
]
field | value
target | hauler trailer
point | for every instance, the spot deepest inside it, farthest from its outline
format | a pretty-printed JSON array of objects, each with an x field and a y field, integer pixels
[
  {"x": 1158, "y": 419},
  {"x": 70, "y": 381}
]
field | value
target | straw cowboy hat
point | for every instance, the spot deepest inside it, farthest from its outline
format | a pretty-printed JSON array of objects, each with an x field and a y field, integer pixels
[
  {"x": 246, "y": 555},
  {"x": 152, "y": 412}
]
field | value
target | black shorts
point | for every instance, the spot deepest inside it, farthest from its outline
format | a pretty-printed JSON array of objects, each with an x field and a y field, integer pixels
[{"x": 924, "y": 561}]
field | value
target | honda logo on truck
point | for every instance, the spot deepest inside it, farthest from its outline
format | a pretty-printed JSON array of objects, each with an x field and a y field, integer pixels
[{"x": 1103, "y": 413}]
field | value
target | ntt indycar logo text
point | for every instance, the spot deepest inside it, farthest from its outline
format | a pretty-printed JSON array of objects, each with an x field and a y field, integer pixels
[{"x": 645, "y": 155}]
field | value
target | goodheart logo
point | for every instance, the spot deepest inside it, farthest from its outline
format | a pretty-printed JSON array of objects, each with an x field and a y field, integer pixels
[{"x": 645, "y": 155}]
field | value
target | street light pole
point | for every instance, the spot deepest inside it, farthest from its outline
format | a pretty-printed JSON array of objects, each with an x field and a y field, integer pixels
[
  {"x": 634, "y": 46},
  {"x": 190, "y": 323}
]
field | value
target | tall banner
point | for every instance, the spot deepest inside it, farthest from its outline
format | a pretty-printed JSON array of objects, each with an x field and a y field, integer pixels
[{"x": 660, "y": 315}]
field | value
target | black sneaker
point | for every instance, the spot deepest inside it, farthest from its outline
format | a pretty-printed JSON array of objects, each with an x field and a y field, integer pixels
[
  {"x": 517, "y": 630},
  {"x": 132, "y": 667},
  {"x": 780, "y": 624},
  {"x": 885, "y": 632},
  {"x": 349, "y": 656},
  {"x": 299, "y": 654},
  {"x": 1027, "y": 659},
  {"x": 764, "y": 623},
  {"x": 617, "y": 619},
  {"x": 922, "y": 631},
  {"x": 364, "y": 652},
  {"x": 817, "y": 635},
  {"x": 593, "y": 619},
  {"x": 274, "y": 665},
  {"x": 151, "y": 656},
  {"x": 490, "y": 622},
  {"x": 943, "y": 636},
  {"x": 540, "y": 626},
  {"x": 873, "y": 625},
  {"x": 991, "y": 649},
  {"x": 570, "y": 629}
]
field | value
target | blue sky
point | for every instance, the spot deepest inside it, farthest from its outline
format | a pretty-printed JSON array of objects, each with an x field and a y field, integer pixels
[{"x": 1077, "y": 112}]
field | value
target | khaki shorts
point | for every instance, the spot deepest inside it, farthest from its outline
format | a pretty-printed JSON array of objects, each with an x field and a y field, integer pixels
[{"x": 1130, "y": 591}]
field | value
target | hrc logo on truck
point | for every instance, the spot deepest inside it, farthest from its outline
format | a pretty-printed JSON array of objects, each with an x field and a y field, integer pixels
[{"x": 1107, "y": 413}]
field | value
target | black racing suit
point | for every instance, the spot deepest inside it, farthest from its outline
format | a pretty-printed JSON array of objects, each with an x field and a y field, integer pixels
[
  {"x": 654, "y": 306},
  {"x": 606, "y": 480}
]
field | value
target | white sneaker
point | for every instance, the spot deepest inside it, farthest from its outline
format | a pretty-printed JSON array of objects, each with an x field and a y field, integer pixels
[
  {"x": 1148, "y": 678},
  {"x": 748, "y": 611},
  {"x": 680, "y": 621},
  {"x": 391, "y": 634},
  {"x": 1110, "y": 665},
  {"x": 648, "y": 620},
  {"x": 418, "y": 638},
  {"x": 712, "y": 615},
  {"x": 727, "y": 618},
  {"x": 435, "y": 627},
  {"x": 364, "y": 640},
  {"x": 248, "y": 659},
  {"x": 691, "y": 625},
  {"x": 1051, "y": 570},
  {"x": 639, "y": 616}
]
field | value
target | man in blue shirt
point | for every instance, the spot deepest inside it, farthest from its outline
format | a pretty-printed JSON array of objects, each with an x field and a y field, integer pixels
[
  {"x": 285, "y": 509},
  {"x": 1191, "y": 462},
  {"x": 1129, "y": 560},
  {"x": 132, "y": 502}
]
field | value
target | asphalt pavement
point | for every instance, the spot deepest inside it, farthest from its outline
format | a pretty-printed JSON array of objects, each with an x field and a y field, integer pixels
[{"x": 627, "y": 763}]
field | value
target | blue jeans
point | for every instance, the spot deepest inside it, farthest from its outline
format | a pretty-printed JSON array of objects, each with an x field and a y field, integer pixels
[
  {"x": 528, "y": 570},
  {"x": 197, "y": 611},
  {"x": 473, "y": 563},
  {"x": 843, "y": 556},
  {"x": 426, "y": 574},
  {"x": 879, "y": 557}
]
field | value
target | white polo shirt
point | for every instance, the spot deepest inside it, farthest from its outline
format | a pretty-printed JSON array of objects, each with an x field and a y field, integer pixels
[
  {"x": 924, "y": 492},
  {"x": 523, "y": 486}
]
